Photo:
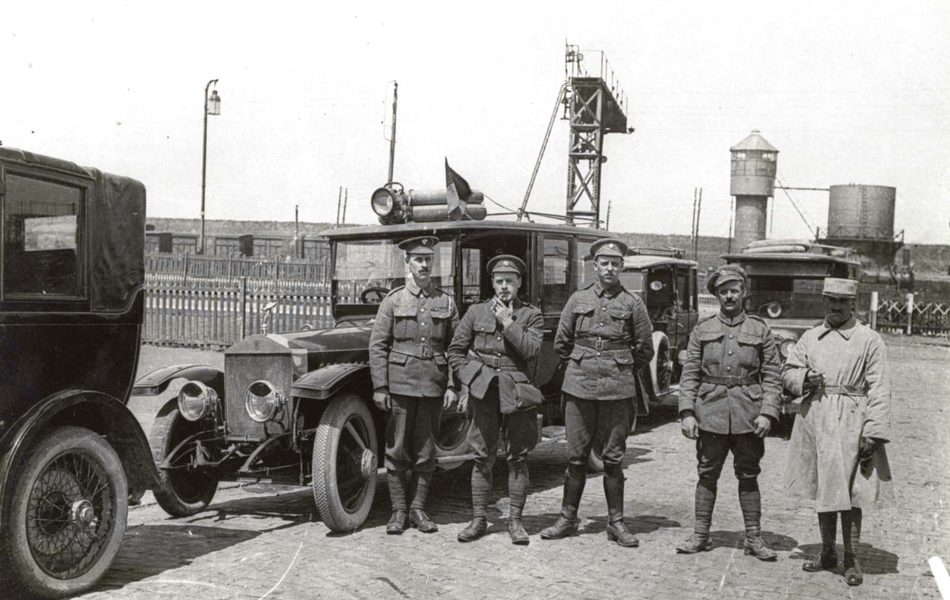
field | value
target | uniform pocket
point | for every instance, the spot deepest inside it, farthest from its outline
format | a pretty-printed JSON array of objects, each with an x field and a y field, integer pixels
[
  {"x": 404, "y": 322},
  {"x": 749, "y": 349},
  {"x": 577, "y": 354},
  {"x": 624, "y": 361},
  {"x": 397, "y": 359},
  {"x": 754, "y": 392},
  {"x": 440, "y": 323}
]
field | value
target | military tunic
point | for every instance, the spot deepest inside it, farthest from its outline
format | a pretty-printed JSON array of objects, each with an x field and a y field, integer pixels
[
  {"x": 498, "y": 366},
  {"x": 731, "y": 376},
  {"x": 605, "y": 338},
  {"x": 407, "y": 359},
  {"x": 854, "y": 402}
]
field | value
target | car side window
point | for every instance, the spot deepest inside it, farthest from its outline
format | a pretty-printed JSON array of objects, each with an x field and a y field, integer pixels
[
  {"x": 556, "y": 280},
  {"x": 41, "y": 238},
  {"x": 682, "y": 289}
]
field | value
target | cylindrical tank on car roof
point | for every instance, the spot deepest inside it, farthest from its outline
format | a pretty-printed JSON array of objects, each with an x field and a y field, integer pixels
[{"x": 861, "y": 211}]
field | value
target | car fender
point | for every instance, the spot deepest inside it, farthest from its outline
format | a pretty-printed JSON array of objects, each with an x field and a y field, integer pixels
[
  {"x": 96, "y": 411},
  {"x": 158, "y": 380},
  {"x": 325, "y": 382}
]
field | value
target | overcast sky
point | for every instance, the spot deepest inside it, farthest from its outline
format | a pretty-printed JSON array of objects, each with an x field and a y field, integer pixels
[{"x": 849, "y": 92}]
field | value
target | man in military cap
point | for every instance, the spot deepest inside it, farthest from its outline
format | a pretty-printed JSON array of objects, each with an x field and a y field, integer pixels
[
  {"x": 494, "y": 352},
  {"x": 412, "y": 380},
  {"x": 730, "y": 392},
  {"x": 604, "y": 337},
  {"x": 836, "y": 456}
]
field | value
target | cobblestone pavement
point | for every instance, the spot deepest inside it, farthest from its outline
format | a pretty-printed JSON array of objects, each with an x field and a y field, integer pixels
[{"x": 273, "y": 545}]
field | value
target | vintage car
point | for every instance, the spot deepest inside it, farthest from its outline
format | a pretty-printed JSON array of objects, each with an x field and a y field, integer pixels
[
  {"x": 667, "y": 283},
  {"x": 71, "y": 305},
  {"x": 785, "y": 283},
  {"x": 296, "y": 408}
]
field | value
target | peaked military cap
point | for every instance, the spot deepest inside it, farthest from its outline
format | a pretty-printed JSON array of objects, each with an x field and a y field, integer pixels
[
  {"x": 725, "y": 274},
  {"x": 506, "y": 263},
  {"x": 840, "y": 288},
  {"x": 419, "y": 245},
  {"x": 608, "y": 247}
]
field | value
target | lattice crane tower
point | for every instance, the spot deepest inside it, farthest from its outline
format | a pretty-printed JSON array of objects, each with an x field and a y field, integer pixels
[{"x": 595, "y": 105}]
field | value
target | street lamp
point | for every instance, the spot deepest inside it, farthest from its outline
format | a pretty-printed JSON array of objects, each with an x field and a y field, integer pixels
[{"x": 212, "y": 106}]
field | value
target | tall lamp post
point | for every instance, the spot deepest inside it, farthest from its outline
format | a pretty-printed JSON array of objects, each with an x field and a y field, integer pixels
[{"x": 212, "y": 106}]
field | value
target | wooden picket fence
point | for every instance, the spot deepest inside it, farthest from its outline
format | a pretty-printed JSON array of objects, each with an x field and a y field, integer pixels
[
  {"x": 926, "y": 318},
  {"x": 217, "y": 312}
]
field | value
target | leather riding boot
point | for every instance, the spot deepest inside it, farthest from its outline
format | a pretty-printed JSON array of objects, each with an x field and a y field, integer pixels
[
  {"x": 750, "y": 501},
  {"x": 705, "y": 502},
  {"x": 516, "y": 528},
  {"x": 417, "y": 510},
  {"x": 613, "y": 490},
  {"x": 481, "y": 490},
  {"x": 828, "y": 559},
  {"x": 518, "y": 494},
  {"x": 852, "y": 570},
  {"x": 567, "y": 522},
  {"x": 399, "y": 522}
]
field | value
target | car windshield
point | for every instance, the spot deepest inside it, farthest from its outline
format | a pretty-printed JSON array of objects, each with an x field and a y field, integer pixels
[
  {"x": 362, "y": 265},
  {"x": 632, "y": 281},
  {"x": 797, "y": 296}
]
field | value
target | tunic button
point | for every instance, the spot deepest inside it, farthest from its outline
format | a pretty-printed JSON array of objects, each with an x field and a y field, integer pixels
[
  {"x": 598, "y": 354},
  {"x": 423, "y": 338},
  {"x": 422, "y": 309},
  {"x": 731, "y": 336},
  {"x": 423, "y": 325},
  {"x": 728, "y": 368},
  {"x": 498, "y": 338},
  {"x": 730, "y": 353},
  {"x": 601, "y": 323}
]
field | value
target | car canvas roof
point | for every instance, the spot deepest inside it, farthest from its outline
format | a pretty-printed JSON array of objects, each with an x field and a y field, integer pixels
[{"x": 645, "y": 262}]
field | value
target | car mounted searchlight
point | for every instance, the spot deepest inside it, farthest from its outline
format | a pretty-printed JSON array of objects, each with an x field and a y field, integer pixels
[{"x": 394, "y": 205}]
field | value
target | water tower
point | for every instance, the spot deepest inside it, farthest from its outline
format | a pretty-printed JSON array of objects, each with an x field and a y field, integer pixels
[{"x": 754, "y": 162}]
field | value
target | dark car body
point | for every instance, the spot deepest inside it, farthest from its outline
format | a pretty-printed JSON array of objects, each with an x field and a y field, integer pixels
[{"x": 71, "y": 308}]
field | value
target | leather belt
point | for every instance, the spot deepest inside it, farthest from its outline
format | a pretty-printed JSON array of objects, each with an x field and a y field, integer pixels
[
  {"x": 423, "y": 351},
  {"x": 601, "y": 344},
  {"x": 730, "y": 381},
  {"x": 495, "y": 362},
  {"x": 844, "y": 390}
]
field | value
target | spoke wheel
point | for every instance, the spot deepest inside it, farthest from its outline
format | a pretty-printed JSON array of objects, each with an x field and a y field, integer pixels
[
  {"x": 452, "y": 439},
  {"x": 182, "y": 492},
  {"x": 68, "y": 513},
  {"x": 345, "y": 460}
]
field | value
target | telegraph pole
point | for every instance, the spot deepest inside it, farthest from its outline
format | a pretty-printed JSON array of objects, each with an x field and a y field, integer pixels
[{"x": 392, "y": 136}]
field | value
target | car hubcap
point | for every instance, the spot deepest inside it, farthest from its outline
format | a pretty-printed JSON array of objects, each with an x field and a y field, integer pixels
[{"x": 368, "y": 464}]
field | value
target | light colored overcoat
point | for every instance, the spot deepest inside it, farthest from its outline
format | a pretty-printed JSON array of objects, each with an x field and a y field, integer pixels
[{"x": 823, "y": 455}]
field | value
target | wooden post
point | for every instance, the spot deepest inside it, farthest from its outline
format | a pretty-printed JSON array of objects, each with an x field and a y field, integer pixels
[
  {"x": 910, "y": 313},
  {"x": 873, "y": 315},
  {"x": 243, "y": 306},
  {"x": 185, "y": 268}
]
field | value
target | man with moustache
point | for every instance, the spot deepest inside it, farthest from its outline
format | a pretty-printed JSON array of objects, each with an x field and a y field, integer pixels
[
  {"x": 836, "y": 456},
  {"x": 494, "y": 352},
  {"x": 412, "y": 381},
  {"x": 730, "y": 392},
  {"x": 605, "y": 337}
]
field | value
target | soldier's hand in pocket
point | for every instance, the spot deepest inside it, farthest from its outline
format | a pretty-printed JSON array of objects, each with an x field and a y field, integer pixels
[
  {"x": 867, "y": 448},
  {"x": 382, "y": 400},
  {"x": 690, "y": 427},
  {"x": 762, "y": 425}
]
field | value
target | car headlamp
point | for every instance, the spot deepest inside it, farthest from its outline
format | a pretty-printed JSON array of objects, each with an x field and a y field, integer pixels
[
  {"x": 196, "y": 401},
  {"x": 785, "y": 348},
  {"x": 262, "y": 401},
  {"x": 384, "y": 202}
]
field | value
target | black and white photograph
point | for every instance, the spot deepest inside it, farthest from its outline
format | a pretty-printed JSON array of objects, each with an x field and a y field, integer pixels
[{"x": 494, "y": 300}]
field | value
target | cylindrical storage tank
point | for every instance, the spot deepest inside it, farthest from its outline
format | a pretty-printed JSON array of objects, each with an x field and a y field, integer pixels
[
  {"x": 861, "y": 211},
  {"x": 754, "y": 162},
  {"x": 750, "y": 219}
]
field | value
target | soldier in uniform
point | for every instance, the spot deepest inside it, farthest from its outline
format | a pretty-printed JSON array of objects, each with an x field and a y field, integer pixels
[
  {"x": 837, "y": 456},
  {"x": 730, "y": 392},
  {"x": 604, "y": 337},
  {"x": 494, "y": 352},
  {"x": 412, "y": 381}
]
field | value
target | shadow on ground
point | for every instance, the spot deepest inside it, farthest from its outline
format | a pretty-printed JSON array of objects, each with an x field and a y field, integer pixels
[{"x": 873, "y": 561}]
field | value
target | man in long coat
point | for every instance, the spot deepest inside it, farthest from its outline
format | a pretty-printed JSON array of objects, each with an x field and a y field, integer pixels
[
  {"x": 836, "y": 455},
  {"x": 412, "y": 381},
  {"x": 605, "y": 337},
  {"x": 494, "y": 352}
]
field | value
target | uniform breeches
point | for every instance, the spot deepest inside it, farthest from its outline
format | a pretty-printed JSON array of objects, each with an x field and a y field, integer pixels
[
  {"x": 713, "y": 448},
  {"x": 595, "y": 421},
  {"x": 521, "y": 430},
  {"x": 411, "y": 428}
]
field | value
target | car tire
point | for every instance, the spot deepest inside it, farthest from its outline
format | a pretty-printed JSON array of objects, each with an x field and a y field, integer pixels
[
  {"x": 661, "y": 365},
  {"x": 181, "y": 494},
  {"x": 452, "y": 440},
  {"x": 51, "y": 500},
  {"x": 345, "y": 460}
]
